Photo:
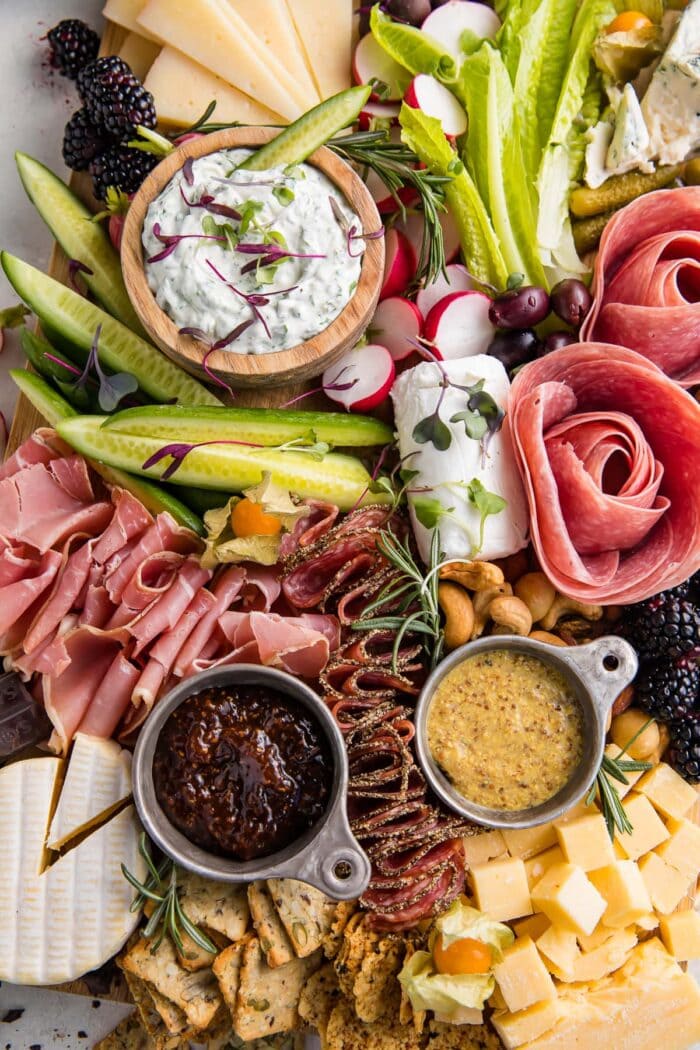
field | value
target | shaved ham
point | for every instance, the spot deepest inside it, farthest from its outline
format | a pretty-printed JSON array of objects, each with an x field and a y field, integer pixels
[
  {"x": 131, "y": 519},
  {"x": 608, "y": 448},
  {"x": 164, "y": 613},
  {"x": 153, "y": 577},
  {"x": 68, "y": 584},
  {"x": 164, "y": 534},
  {"x": 261, "y": 589},
  {"x": 111, "y": 699},
  {"x": 299, "y": 645},
  {"x": 226, "y": 587},
  {"x": 36, "y": 449},
  {"x": 646, "y": 284},
  {"x": 27, "y": 579}
]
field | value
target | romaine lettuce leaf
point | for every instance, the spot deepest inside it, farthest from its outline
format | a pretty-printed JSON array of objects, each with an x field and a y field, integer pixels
[
  {"x": 412, "y": 48},
  {"x": 478, "y": 241}
]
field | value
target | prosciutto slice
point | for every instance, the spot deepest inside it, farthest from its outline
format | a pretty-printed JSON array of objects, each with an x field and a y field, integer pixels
[
  {"x": 646, "y": 284},
  {"x": 24, "y": 577},
  {"x": 608, "y": 448}
]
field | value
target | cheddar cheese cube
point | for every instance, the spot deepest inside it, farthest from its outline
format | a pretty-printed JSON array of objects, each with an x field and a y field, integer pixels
[
  {"x": 526, "y": 1025},
  {"x": 682, "y": 848},
  {"x": 522, "y": 976},
  {"x": 665, "y": 885},
  {"x": 603, "y": 960},
  {"x": 478, "y": 849},
  {"x": 535, "y": 867},
  {"x": 668, "y": 792},
  {"x": 626, "y": 896},
  {"x": 531, "y": 926},
  {"x": 526, "y": 842},
  {"x": 631, "y": 776},
  {"x": 500, "y": 888},
  {"x": 600, "y": 935},
  {"x": 560, "y": 947},
  {"x": 569, "y": 898},
  {"x": 579, "y": 809},
  {"x": 648, "y": 829},
  {"x": 648, "y": 922},
  {"x": 586, "y": 842},
  {"x": 680, "y": 933}
]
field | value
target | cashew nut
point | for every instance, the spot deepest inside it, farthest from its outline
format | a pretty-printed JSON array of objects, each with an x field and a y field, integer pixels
[
  {"x": 550, "y": 639},
  {"x": 563, "y": 606},
  {"x": 510, "y": 614},
  {"x": 459, "y": 614},
  {"x": 623, "y": 700},
  {"x": 481, "y": 602},
  {"x": 537, "y": 592},
  {"x": 474, "y": 575}
]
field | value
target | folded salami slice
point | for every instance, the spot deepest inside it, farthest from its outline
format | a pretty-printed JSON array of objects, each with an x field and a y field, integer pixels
[
  {"x": 608, "y": 448},
  {"x": 646, "y": 285}
]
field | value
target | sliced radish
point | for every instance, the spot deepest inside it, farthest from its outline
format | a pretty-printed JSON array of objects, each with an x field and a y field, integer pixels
[
  {"x": 385, "y": 201},
  {"x": 412, "y": 227},
  {"x": 371, "y": 62},
  {"x": 396, "y": 324},
  {"x": 458, "y": 326},
  {"x": 400, "y": 261},
  {"x": 455, "y": 279},
  {"x": 450, "y": 236},
  {"x": 448, "y": 23},
  {"x": 361, "y": 379},
  {"x": 378, "y": 111},
  {"x": 435, "y": 100}
]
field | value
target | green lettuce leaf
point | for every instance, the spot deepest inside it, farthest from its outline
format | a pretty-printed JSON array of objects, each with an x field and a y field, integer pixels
[
  {"x": 412, "y": 48},
  {"x": 495, "y": 161},
  {"x": 478, "y": 241}
]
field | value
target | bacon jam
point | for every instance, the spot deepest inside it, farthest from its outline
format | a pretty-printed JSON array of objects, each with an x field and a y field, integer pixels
[{"x": 242, "y": 772}]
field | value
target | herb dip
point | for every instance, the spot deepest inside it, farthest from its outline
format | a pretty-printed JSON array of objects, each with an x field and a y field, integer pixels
[
  {"x": 283, "y": 207},
  {"x": 506, "y": 730}
]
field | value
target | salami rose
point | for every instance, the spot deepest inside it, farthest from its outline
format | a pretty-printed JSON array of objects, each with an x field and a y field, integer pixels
[
  {"x": 646, "y": 285},
  {"x": 608, "y": 448}
]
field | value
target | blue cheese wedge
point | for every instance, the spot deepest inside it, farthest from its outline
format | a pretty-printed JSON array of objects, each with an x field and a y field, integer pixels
[
  {"x": 98, "y": 779},
  {"x": 629, "y": 147},
  {"x": 445, "y": 475},
  {"x": 671, "y": 103}
]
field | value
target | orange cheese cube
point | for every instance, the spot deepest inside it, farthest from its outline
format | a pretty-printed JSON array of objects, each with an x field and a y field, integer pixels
[
  {"x": 500, "y": 888},
  {"x": 526, "y": 842},
  {"x": 522, "y": 976},
  {"x": 568, "y": 898},
  {"x": 666, "y": 885},
  {"x": 667, "y": 791},
  {"x": 536, "y": 866},
  {"x": 586, "y": 842},
  {"x": 682, "y": 849},
  {"x": 479, "y": 849},
  {"x": 626, "y": 896},
  {"x": 680, "y": 933},
  {"x": 648, "y": 829},
  {"x": 560, "y": 947},
  {"x": 522, "y": 1027}
]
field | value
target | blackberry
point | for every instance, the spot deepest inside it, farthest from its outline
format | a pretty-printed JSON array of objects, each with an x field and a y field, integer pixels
[
  {"x": 117, "y": 100},
  {"x": 121, "y": 167},
  {"x": 669, "y": 690},
  {"x": 82, "y": 140},
  {"x": 684, "y": 752},
  {"x": 663, "y": 626},
  {"x": 99, "y": 68},
  {"x": 72, "y": 45}
]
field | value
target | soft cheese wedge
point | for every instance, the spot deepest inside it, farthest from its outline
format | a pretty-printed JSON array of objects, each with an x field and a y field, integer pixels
[
  {"x": 182, "y": 90},
  {"x": 325, "y": 32},
  {"x": 125, "y": 14},
  {"x": 56, "y": 923},
  {"x": 98, "y": 779},
  {"x": 212, "y": 33}
]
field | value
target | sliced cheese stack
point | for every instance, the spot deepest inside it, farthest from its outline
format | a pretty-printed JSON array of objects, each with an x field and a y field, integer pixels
[
  {"x": 58, "y": 922},
  {"x": 98, "y": 779}
]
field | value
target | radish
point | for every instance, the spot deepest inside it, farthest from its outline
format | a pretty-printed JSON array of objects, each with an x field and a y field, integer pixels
[
  {"x": 435, "y": 100},
  {"x": 395, "y": 323},
  {"x": 400, "y": 261},
  {"x": 455, "y": 279},
  {"x": 458, "y": 326},
  {"x": 385, "y": 201},
  {"x": 412, "y": 228},
  {"x": 372, "y": 111},
  {"x": 447, "y": 25},
  {"x": 361, "y": 379},
  {"x": 371, "y": 63}
]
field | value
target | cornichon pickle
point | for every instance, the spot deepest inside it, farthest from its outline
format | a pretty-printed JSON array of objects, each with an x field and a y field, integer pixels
[{"x": 618, "y": 190}]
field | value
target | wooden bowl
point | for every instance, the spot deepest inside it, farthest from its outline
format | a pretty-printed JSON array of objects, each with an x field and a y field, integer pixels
[{"x": 301, "y": 362}]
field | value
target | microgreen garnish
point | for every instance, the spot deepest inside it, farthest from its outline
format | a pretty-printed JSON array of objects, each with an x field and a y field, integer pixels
[
  {"x": 294, "y": 171},
  {"x": 270, "y": 254},
  {"x": 334, "y": 384},
  {"x": 117, "y": 203},
  {"x": 410, "y": 599},
  {"x": 487, "y": 503},
  {"x": 188, "y": 172},
  {"x": 250, "y": 209},
  {"x": 222, "y": 231},
  {"x": 112, "y": 389},
  {"x": 254, "y": 299},
  {"x": 12, "y": 316},
  {"x": 168, "y": 916},
  {"x": 149, "y": 141},
  {"x": 350, "y": 229},
  {"x": 611, "y": 770},
  {"x": 75, "y": 266},
  {"x": 284, "y": 195},
  {"x": 171, "y": 241},
  {"x": 209, "y": 203},
  {"x": 179, "y": 450},
  {"x": 64, "y": 364}
]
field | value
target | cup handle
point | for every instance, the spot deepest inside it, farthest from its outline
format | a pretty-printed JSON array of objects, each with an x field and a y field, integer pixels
[
  {"x": 335, "y": 863},
  {"x": 607, "y": 665}
]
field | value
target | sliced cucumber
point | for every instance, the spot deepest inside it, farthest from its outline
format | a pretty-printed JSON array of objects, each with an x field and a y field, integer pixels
[
  {"x": 262, "y": 426},
  {"x": 202, "y": 500},
  {"x": 310, "y": 131},
  {"x": 340, "y": 479},
  {"x": 71, "y": 224},
  {"x": 36, "y": 350},
  {"x": 68, "y": 318},
  {"x": 55, "y": 409}
]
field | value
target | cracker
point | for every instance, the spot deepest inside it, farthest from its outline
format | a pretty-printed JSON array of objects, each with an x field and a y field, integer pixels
[
  {"x": 306, "y": 913},
  {"x": 376, "y": 989},
  {"x": 159, "y": 1036},
  {"x": 318, "y": 997},
  {"x": 227, "y": 970},
  {"x": 358, "y": 940},
  {"x": 221, "y": 906},
  {"x": 407, "y": 1013},
  {"x": 346, "y": 1031},
  {"x": 268, "y": 926},
  {"x": 344, "y": 910},
  {"x": 171, "y": 1015},
  {"x": 194, "y": 958},
  {"x": 197, "y": 994},
  {"x": 128, "y": 1035},
  {"x": 267, "y": 999},
  {"x": 461, "y": 1037}
]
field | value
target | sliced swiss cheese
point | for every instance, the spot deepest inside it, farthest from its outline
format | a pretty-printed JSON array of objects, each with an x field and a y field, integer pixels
[
  {"x": 125, "y": 13},
  {"x": 213, "y": 34},
  {"x": 325, "y": 32},
  {"x": 98, "y": 779},
  {"x": 272, "y": 23},
  {"x": 182, "y": 90},
  {"x": 57, "y": 924},
  {"x": 139, "y": 54}
]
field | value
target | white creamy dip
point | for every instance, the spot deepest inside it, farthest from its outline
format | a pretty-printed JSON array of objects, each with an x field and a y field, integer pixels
[{"x": 291, "y": 209}]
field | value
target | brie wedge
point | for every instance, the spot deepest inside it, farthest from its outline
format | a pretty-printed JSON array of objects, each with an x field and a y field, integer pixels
[{"x": 98, "y": 779}]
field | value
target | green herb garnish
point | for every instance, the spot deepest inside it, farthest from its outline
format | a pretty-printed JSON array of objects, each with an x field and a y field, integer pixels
[
  {"x": 284, "y": 195},
  {"x": 613, "y": 770}
]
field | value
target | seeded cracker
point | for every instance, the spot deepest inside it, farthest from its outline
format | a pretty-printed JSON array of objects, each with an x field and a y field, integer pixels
[
  {"x": 306, "y": 913},
  {"x": 376, "y": 990},
  {"x": 344, "y": 911},
  {"x": 319, "y": 996},
  {"x": 195, "y": 958},
  {"x": 160, "y": 1037},
  {"x": 227, "y": 970},
  {"x": 267, "y": 999},
  {"x": 462, "y": 1037},
  {"x": 347, "y": 1032},
  {"x": 218, "y": 905},
  {"x": 197, "y": 994},
  {"x": 273, "y": 936},
  {"x": 128, "y": 1035}
]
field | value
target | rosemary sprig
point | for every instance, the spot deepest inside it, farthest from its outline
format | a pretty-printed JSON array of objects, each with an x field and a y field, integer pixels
[
  {"x": 168, "y": 916},
  {"x": 396, "y": 166},
  {"x": 611, "y": 770},
  {"x": 410, "y": 593}
]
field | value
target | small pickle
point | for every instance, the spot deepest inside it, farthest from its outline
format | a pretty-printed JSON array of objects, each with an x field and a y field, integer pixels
[
  {"x": 691, "y": 172},
  {"x": 588, "y": 232},
  {"x": 618, "y": 190}
]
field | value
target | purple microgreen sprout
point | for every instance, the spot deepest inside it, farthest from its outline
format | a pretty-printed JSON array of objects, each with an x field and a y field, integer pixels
[
  {"x": 187, "y": 172},
  {"x": 333, "y": 385},
  {"x": 269, "y": 254},
  {"x": 376, "y": 484},
  {"x": 254, "y": 299},
  {"x": 111, "y": 388},
  {"x": 171, "y": 241},
  {"x": 64, "y": 364},
  {"x": 75, "y": 266},
  {"x": 179, "y": 450},
  {"x": 350, "y": 229},
  {"x": 209, "y": 203},
  {"x": 198, "y": 333}
]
